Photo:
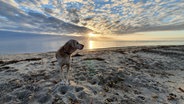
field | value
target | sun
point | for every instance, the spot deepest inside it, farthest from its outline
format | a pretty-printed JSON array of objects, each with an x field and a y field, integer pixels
[{"x": 91, "y": 35}]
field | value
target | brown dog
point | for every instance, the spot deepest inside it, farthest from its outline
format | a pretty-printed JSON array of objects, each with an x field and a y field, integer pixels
[{"x": 63, "y": 56}]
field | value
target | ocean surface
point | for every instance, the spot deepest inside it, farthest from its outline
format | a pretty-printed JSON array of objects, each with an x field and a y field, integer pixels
[{"x": 16, "y": 43}]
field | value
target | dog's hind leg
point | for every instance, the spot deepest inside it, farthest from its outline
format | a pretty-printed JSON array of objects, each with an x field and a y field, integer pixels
[{"x": 62, "y": 78}]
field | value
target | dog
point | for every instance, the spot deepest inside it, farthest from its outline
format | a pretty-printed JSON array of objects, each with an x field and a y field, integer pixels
[{"x": 63, "y": 57}]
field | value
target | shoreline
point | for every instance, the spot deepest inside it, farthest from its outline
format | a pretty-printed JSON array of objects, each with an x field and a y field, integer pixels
[
  {"x": 136, "y": 75},
  {"x": 96, "y": 49}
]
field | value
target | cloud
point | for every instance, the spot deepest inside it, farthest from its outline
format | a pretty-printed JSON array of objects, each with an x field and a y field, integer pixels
[{"x": 105, "y": 16}]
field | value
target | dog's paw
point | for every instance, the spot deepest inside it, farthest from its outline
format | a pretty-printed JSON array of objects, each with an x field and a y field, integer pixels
[
  {"x": 67, "y": 82},
  {"x": 62, "y": 82}
]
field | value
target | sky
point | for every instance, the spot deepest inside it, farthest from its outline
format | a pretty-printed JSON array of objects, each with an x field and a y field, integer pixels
[{"x": 98, "y": 16}]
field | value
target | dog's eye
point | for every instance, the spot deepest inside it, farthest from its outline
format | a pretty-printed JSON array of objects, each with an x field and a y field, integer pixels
[{"x": 77, "y": 43}]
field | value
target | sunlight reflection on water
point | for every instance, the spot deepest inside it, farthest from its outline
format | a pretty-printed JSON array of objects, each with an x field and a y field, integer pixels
[
  {"x": 91, "y": 44},
  {"x": 44, "y": 43}
]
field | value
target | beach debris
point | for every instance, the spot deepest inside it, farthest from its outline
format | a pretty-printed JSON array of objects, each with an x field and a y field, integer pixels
[
  {"x": 95, "y": 58},
  {"x": 182, "y": 90},
  {"x": 171, "y": 96},
  {"x": 141, "y": 97},
  {"x": 155, "y": 96}
]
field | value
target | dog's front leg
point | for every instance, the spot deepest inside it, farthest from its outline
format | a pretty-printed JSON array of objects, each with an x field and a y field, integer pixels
[
  {"x": 62, "y": 75},
  {"x": 68, "y": 71}
]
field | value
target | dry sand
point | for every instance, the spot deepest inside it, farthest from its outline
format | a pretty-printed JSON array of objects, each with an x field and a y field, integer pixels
[{"x": 129, "y": 75}]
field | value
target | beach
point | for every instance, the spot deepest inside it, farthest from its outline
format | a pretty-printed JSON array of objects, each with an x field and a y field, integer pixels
[{"x": 127, "y": 75}]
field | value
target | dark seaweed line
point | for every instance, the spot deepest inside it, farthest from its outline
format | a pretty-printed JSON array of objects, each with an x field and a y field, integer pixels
[
  {"x": 177, "y": 49},
  {"x": 168, "y": 54},
  {"x": 15, "y": 61}
]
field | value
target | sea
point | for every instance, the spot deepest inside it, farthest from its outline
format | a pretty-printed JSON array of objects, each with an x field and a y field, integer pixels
[{"x": 18, "y": 43}]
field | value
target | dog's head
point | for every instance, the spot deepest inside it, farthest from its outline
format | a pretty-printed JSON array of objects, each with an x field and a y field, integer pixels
[{"x": 73, "y": 45}]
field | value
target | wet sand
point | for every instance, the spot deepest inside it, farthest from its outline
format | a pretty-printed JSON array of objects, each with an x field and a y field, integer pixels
[{"x": 127, "y": 75}]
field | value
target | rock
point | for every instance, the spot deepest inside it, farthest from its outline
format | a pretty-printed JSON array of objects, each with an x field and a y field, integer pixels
[
  {"x": 23, "y": 95},
  {"x": 63, "y": 89},
  {"x": 137, "y": 92},
  {"x": 71, "y": 97},
  {"x": 112, "y": 99},
  {"x": 77, "y": 89},
  {"x": 93, "y": 81},
  {"x": 171, "y": 96},
  {"x": 106, "y": 88},
  {"x": 6, "y": 98},
  {"x": 82, "y": 95},
  {"x": 58, "y": 100},
  {"x": 141, "y": 97},
  {"x": 82, "y": 78},
  {"x": 111, "y": 84},
  {"x": 155, "y": 96},
  {"x": 44, "y": 98},
  {"x": 33, "y": 87}
]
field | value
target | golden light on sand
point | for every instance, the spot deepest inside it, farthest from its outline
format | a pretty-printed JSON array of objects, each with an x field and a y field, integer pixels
[{"x": 91, "y": 44}]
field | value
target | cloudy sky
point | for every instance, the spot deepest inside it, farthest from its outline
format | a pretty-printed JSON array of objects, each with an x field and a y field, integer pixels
[{"x": 103, "y": 16}]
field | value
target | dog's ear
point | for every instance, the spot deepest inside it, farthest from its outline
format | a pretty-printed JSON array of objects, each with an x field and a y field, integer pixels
[{"x": 67, "y": 46}]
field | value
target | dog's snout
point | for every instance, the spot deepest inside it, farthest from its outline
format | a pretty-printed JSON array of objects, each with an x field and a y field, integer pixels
[{"x": 82, "y": 46}]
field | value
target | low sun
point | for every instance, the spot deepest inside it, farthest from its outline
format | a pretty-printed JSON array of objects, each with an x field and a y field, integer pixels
[{"x": 91, "y": 35}]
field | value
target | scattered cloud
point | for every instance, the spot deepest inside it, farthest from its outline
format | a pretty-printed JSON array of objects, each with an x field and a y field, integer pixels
[{"x": 105, "y": 16}]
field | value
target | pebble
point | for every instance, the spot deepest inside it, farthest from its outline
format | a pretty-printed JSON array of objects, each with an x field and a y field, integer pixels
[
  {"x": 63, "y": 89},
  {"x": 44, "y": 98},
  {"x": 77, "y": 89}
]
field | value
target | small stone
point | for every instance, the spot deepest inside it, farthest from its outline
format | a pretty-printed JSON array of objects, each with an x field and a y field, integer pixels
[
  {"x": 113, "y": 99},
  {"x": 23, "y": 95},
  {"x": 71, "y": 97},
  {"x": 63, "y": 89},
  {"x": 77, "y": 89},
  {"x": 93, "y": 81},
  {"x": 155, "y": 96},
  {"x": 141, "y": 97},
  {"x": 106, "y": 89},
  {"x": 82, "y": 78},
  {"x": 171, "y": 96},
  {"x": 44, "y": 98},
  {"x": 137, "y": 92},
  {"x": 82, "y": 95}
]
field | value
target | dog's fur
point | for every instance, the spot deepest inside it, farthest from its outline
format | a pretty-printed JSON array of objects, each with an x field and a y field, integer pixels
[{"x": 63, "y": 56}]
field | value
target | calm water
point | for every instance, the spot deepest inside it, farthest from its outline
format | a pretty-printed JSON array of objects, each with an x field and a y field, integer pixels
[{"x": 13, "y": 43}]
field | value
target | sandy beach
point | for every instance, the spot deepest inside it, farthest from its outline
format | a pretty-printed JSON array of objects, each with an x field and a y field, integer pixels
[{"x": 127, "y": 75}]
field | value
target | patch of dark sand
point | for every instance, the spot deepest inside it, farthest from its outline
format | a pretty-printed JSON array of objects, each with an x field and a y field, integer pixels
[
  {"x": 4, "y": 68},
  {"x": 23, "y": 95},
  {"x": 35, "y": 76},
  {"x": 95, "y": 58},
  {"x": 77, "y": 55},
  {"x": 7, "y": 87}
]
